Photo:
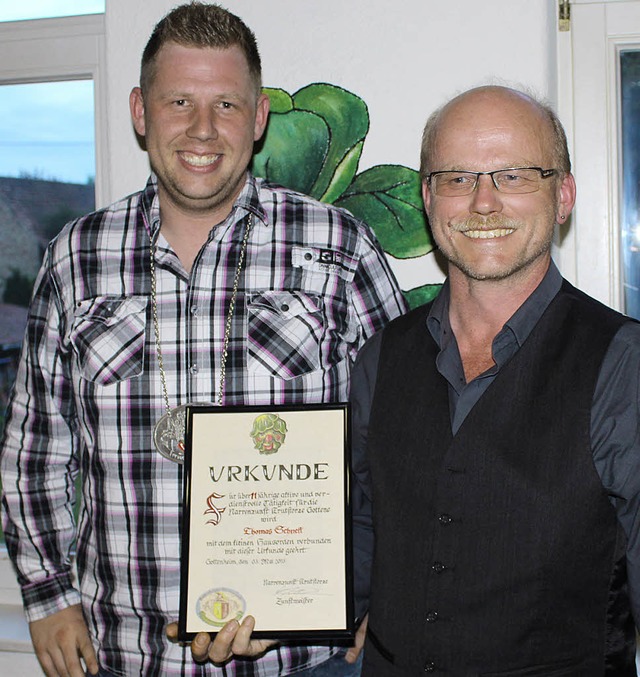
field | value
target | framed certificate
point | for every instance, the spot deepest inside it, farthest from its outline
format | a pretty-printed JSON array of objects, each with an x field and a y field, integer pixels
[{"x": 267, "y": 521}]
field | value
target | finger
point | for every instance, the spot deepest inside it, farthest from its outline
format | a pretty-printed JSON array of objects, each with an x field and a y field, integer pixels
[
  {"x": 200, "y": 646},
  {"x": 220, "y": 650},
  {"x": 62, "y": 666},
  {"x": 67, "y": 661},
  {"x": 51, "y": 659},
  {"x": 46, "y": 663},
  {"x": 172, "y": 632},
  {"x": 245, "y": 646},
  {"x": 353, "y": 652},
  {"x": 89, "y": 656},
  {"x": 242, "y": 640}
]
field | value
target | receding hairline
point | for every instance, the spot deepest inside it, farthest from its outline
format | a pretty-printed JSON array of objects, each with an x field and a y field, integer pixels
[{"x": 556, "y": 131}]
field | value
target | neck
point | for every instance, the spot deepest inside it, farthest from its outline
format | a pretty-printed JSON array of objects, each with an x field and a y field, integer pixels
[
  {"x": 479, "y": 309},
  {"x": 186, "y": 231}
]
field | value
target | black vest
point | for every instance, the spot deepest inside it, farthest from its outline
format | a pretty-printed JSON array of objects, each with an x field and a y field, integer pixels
[{"x": 497, "y": 549}]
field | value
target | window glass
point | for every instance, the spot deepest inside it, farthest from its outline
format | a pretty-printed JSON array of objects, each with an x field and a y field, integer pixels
[
  {"x": 47, "y": 171},
  {"x": 630, "y": 212},
  {"x": 47, "y": 9}
]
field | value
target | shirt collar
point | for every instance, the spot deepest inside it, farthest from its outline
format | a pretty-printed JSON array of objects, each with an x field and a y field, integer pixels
[
  {"x": 248, "y": 201},
  {"x": 517, "y": 328}
]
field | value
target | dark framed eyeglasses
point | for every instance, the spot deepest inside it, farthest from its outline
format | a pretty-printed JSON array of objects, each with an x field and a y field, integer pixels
[{"x": 514, "y": 180}]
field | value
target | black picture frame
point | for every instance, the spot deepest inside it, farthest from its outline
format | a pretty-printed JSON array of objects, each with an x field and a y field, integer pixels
[{"x": 285, "y": 552}]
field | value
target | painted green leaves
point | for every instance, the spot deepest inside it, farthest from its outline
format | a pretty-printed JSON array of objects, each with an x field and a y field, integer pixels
[{"x": 313, "y": 144}]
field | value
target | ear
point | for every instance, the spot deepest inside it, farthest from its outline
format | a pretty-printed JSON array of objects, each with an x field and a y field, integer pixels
[
  {"x": 426, "y": 195},
  {"x": 136, "y": 106},
  {"x": 566, "y": 198},
  {"x": 262, "y": 115}
]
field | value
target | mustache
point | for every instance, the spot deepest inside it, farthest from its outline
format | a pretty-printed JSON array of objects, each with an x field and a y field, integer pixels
[{"x": 491, "y": 222}]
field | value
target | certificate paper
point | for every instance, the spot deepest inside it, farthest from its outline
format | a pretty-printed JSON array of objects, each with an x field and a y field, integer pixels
[{"x": 267, "y": 521}]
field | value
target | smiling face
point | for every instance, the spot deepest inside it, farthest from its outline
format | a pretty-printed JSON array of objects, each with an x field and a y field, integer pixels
[
  {"x": 490, "y": 235},
  {"x": 200, "y": 117}
]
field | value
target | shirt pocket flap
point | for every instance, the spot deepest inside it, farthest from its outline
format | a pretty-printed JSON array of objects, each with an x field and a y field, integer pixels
[
  {"x": 285, "y": 303},
  {"x": 108, "y": 337},
  {"x": 285, "y": 332},
  {"x": 108, "y": 309}
]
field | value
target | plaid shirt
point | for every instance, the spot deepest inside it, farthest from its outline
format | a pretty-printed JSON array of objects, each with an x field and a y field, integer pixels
[{"x": 88, "y": 394}]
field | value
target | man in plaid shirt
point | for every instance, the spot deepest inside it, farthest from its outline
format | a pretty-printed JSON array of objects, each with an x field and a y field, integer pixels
[{"x": 207, "y": 286}]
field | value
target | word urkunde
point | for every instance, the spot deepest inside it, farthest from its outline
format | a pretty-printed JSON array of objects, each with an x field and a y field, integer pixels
[{"x": 258, "y": 473}]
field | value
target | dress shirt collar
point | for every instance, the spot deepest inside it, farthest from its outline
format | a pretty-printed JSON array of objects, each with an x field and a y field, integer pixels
[
  {"x": 248, "y": 201},
  {"x": 509, "y": 339}
]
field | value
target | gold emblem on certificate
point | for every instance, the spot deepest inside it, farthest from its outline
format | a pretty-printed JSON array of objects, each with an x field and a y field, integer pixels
[
  {"x": 217, "y": 607},
  {"x": 267, "y": 528}
]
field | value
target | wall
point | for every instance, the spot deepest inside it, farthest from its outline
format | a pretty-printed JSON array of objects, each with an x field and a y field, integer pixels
[{"x": 403, "y": 58}]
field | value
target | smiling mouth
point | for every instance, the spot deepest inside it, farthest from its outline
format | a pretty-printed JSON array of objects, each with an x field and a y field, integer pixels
[
  {"x": 488, "y": 234},
  {"x": 199, "y": 160}
]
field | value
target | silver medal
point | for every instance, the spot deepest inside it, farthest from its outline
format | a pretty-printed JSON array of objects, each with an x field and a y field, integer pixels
[{"x": 169, "y": 434}]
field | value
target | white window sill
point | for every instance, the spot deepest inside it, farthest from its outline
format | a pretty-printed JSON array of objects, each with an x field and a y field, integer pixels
[
  {"x": 14, "y": 631},
  {"x": 16, "y": 651}
]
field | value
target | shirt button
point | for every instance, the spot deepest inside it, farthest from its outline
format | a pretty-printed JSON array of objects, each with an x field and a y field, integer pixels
[
  {"x": 438, "y": 567},
  {"x": 193, "y": 369},
  {"x": 284, "y": 307},
  {"x": 308, "y": 256},
  {"x": 432, "y": 616},
  {"x": 194, "y": 310},
  {"x": 429, "y": 666},
  {"x": 445, "y": 519}
]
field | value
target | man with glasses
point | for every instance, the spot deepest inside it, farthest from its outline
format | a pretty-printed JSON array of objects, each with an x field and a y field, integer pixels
[{"x": 496, "y": 443}]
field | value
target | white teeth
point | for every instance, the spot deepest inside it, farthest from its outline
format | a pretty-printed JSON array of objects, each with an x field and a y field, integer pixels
[
  {"x": 488, "y": 234},
  {"x": 199, "y": 160}
]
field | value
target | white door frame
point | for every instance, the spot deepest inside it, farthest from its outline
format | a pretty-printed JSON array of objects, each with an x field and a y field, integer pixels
[{"x": 588, "y": 95}]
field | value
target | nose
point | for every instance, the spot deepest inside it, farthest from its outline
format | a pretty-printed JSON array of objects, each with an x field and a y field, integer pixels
[
  {"x": 486, "y": 198},
  {"x": 202, "y": 124}
]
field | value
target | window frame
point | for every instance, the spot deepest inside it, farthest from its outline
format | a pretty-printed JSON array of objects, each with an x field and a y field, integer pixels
[
  {"x": 588, "y": 92},
  {"x": 52, "y": 50}
]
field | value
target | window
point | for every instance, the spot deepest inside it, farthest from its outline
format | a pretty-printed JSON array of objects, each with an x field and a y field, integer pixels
[
  {"x": 67, "y": 52},
  {"x": 598, "y": 68},
  {"x": 630, "y": 207},
  {"x": 47, "y": 173},
  {"x": 47, "y": 9},
  {"x": 50, "y": 68}
]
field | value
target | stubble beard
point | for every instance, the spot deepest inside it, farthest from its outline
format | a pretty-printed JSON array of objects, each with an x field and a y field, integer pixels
[
  {"x": 495, "y": 222},
  {"x": 188, "y": 201}
]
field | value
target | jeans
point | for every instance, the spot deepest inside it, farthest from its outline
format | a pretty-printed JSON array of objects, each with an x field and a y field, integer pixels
[{"x": 336, "y": 666}]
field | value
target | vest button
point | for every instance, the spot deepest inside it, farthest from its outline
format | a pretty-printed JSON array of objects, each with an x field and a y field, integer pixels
[
  {"x": 432, "y": 616},
  {"x": 429, "y": 666},
  {"x": 438, "y": 567},
  {"x": 445, "y": 519}
]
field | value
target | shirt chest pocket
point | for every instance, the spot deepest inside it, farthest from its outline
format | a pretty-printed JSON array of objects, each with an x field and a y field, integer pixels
[
  {"x": 285, "y": 333},
  {"x": 108, "y": 338}
]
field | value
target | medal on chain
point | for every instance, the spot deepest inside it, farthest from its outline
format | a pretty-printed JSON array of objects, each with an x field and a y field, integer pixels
[{"x": 169, "y": 431}]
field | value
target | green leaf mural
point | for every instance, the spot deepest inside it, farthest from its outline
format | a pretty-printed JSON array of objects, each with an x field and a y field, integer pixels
[
  {"x": 420, "y": 295},
  {"x": 313, "y": 144},
  {"x": 389, "y": 198}
]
